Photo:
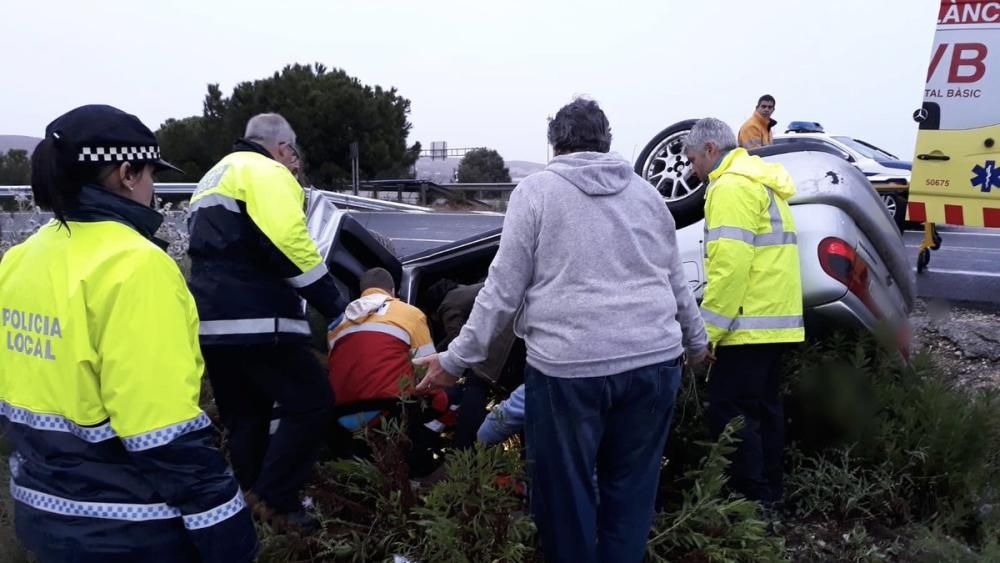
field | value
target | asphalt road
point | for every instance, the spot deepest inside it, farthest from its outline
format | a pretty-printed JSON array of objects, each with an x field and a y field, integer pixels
[{"x": 965, "y": 268}]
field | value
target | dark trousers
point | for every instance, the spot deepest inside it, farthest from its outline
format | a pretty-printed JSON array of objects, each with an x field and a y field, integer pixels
[
  {"x": 475, "y": 395},
  {"x": 746, "y": 381},
  {"x": 247, "y": 381},
  {"x": 616, "y": 425}
]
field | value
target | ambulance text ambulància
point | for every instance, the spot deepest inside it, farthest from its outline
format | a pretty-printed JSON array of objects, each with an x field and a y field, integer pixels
[{"x": 956, "y": 172}]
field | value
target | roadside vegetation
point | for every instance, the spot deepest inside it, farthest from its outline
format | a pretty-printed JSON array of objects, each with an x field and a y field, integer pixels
[{"x": 888, "y": 461}]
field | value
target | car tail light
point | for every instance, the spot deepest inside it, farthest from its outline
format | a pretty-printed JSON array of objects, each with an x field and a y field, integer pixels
[{"x": 840, "y": 261}]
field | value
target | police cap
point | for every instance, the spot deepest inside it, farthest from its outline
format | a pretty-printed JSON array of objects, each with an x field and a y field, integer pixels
[{"x": 98, "y": 135}]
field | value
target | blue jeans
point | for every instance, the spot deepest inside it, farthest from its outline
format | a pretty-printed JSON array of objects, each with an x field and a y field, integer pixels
[{"x": 616, "y": 424}]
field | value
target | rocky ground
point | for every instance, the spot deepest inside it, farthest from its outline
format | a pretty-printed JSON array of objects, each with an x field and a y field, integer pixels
[{"x": 964, "y": 339}]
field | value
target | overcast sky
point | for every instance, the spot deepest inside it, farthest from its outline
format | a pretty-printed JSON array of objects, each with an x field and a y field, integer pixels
[{"x": 487, "y": 73}]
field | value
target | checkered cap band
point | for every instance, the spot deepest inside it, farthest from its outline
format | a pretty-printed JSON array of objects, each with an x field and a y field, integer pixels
[{"x": 119, "y": 154}]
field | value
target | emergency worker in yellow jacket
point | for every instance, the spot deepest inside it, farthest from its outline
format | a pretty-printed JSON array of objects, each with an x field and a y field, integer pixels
[
  {"x": 252, "y": 264},
  {"x": 752, "y": 304},
  {"x": 100, "y": 369}
]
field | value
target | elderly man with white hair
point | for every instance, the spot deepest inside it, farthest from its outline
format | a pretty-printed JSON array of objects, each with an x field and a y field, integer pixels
[
  {"x": 251, "y": 261},
  {"x": 752, "y": 304},
  {"x": 589, "y": 257}
]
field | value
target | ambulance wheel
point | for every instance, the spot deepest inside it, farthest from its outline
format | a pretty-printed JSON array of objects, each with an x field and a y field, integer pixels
[{"x": 923, "y": 259}]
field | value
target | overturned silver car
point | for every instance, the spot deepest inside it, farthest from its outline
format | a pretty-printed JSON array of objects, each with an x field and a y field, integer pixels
[{"x": 854, "y": 269}]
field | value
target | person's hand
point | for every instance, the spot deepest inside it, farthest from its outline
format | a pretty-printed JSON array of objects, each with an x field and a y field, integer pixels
[
  {"x": 706, "y": 356},
  {"x": 436, "y": 377}
]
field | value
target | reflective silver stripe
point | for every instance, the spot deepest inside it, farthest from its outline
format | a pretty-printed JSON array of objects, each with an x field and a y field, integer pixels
[
  {"x": 293, "y": 326},
  {"x": 717, "y": 319},
  {"x": 743, "y": 235},
  {"x": 734, "y": 233},
  {"x": 775, "y": 239},
  {"x": 777, "y": 225},
  {"x": 752, "y": 323},
  {"x": 778, "y": 236},
  {"x": 214, "y": 200},
  {"x": 216, "y": 515},
  {"x": 108, "y": 511},
  {"x": 309, "y": 277},
  {"x": 56, "y": 423},
  {"x": 374, "y": 327},
  {"x": 162, "y": 436},
  {"x": 252, "y": 326},
  {"x": 768, "y": 323},
  {"x": 425, "y": 350}
]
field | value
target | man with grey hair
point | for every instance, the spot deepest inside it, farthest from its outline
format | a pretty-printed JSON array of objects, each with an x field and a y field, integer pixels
[
  {"x": 251, "y": 261},
  {"x": 752, "y": 304},
  {"x": 589, "y": 257}
]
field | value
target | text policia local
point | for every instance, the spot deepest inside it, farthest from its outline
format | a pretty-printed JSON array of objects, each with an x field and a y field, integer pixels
[{"x": 31, "y": 333}]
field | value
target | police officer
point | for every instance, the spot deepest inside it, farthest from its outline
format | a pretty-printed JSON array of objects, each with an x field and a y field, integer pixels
[
  {"x": 100, "y": 368},
  {"x": 252, "y": 263}
]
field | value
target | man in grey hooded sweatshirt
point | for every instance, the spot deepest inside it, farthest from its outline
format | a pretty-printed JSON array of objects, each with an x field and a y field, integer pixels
[{"x": 589, "y": 269}]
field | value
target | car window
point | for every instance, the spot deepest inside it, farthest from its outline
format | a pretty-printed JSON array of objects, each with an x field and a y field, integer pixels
[{"x": 868, "y": 150}]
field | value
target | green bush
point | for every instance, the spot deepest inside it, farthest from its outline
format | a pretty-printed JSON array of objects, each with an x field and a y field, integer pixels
[
  {"x": 900, "y": 422},
  {"x": 932, "y": 546},
  {"x": 837, "y": 486},
  {"x": 710, "y": 524},
  {"x": 471, "y": 516}
]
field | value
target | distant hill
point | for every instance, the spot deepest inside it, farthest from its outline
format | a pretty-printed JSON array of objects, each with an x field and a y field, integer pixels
[
  {"x": 20, "y": 142},
  {"x": 443, "y": 171}
]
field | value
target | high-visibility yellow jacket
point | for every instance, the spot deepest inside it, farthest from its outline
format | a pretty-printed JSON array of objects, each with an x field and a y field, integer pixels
[
  {"x": 100, "y": 375},
  {"x": 754, "y": 291},
  {"x": 252, "y": 260}
]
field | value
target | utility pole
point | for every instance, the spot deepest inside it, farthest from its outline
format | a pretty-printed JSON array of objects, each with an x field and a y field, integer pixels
[{"x": 355, "y": 178}]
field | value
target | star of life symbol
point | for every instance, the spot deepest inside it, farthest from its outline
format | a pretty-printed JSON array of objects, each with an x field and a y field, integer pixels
[{"x": 986, "y": 176}]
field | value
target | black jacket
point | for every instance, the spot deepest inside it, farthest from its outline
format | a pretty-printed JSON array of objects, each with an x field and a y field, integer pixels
[{"x": 252, "y": 261}]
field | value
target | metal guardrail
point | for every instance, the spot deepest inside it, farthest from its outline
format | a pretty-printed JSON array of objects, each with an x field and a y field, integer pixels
[{"x": 428, "y": 191}]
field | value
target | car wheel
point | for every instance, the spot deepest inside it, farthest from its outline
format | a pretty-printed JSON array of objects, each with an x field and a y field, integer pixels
[
  {"x": 663, "y": 164},
  {"x": 896, "y": 205}
]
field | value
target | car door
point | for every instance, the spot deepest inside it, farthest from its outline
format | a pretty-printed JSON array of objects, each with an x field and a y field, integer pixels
[{"x": 348, "y": 249}]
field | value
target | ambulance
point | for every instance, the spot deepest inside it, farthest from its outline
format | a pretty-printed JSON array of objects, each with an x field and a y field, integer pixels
[{"x": 956, "y": 169}]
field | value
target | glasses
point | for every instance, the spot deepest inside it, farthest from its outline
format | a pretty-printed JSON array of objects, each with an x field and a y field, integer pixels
[{"x": 292, "y": 147}]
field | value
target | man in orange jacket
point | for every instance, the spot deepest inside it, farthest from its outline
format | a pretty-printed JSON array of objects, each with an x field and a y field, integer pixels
[
  {"x": 370, "y": 368},
  {"x": 756, "y": 132}
]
